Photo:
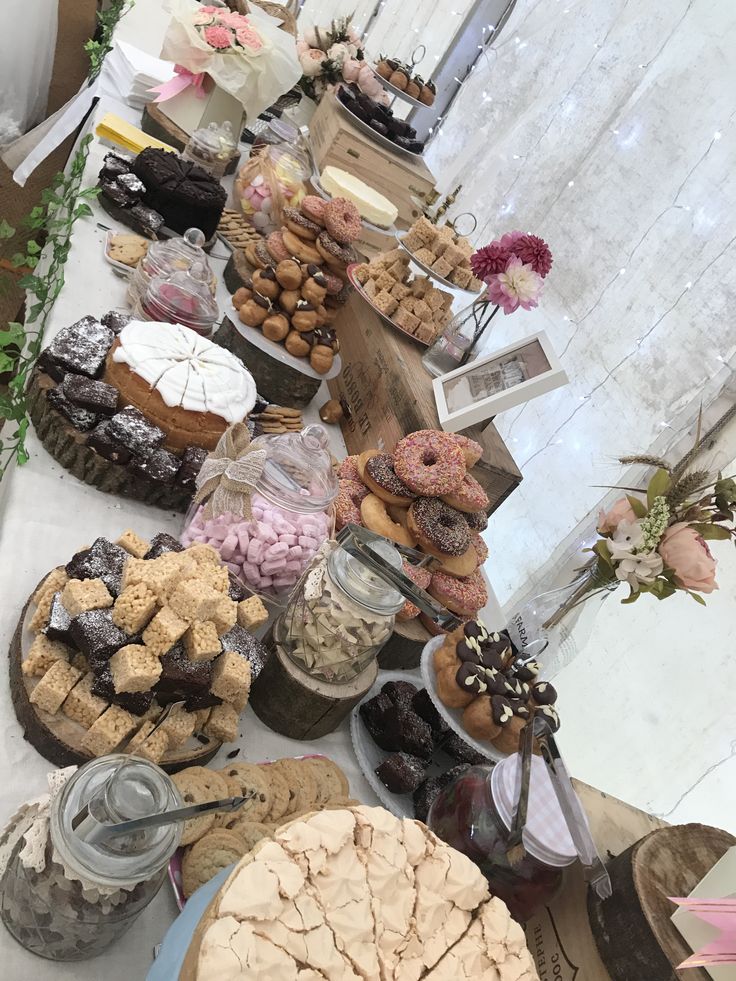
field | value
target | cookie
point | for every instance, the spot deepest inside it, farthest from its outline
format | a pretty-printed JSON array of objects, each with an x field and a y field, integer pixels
[
  {"x": 280, "y": 796},
  {"x": 193, "y": 791},
  {"x": 251, "y": 832},
  {"x": 338, "y": 803},
  {"x": 330, "y": 779},
  {"x": 302, "y": 785},
  {"x": 212, "y": 853},
  {"x": 214, "y": 783},
  {"x": 128, "y": 249},
  {"x": 244, "y": 778}
]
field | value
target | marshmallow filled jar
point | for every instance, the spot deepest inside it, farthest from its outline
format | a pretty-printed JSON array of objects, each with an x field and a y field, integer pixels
[{"x": 292, "y": 515}]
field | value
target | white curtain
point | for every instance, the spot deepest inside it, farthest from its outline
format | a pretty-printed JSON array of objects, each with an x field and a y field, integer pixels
[{"x": 27, "y": 43}]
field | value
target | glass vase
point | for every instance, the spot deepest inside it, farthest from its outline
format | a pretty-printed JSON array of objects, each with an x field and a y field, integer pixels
[{"x": 457, "y": 344}]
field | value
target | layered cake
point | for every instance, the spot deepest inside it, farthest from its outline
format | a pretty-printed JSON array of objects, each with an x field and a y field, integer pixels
[
  {"x": 124, "y": 629},
  {"x": 354, "y": 894},
  {"x": 373, "y": 207},
  {"x": 133, "y": 408}
]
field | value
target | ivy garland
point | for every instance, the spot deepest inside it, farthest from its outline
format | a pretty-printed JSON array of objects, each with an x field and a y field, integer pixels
[{"x": 51, "y": 223}]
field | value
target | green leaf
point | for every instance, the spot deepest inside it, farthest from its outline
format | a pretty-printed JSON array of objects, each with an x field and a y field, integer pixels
[
  {"x": 33, "y": 283},
  {"x": 697, "y": 597},
  {"x": 602, "y": 551},
  {"x": 18, "y": 260},
  {"x": 82, "y": 211},
  {"x": 726, "y": 490},
  {"x": 637, "y": 506},
  {"x": 658, "y": 486},
  {"x": 33, "y": 248},
  {"x": 89, "y": 192},
  {"x": 6, "y": 230},
  {"x": 712, "y": 532},
  {"x": 631, "y": 598}
]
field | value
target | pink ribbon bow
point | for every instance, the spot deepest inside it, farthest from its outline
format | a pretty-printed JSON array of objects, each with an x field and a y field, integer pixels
[
  {"x": 181, "y": 81},
  {"x": 719, "y": 913}
]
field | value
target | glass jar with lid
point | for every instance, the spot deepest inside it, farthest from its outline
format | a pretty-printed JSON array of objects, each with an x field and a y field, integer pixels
[
  {"x": 290, "y": 512},
  {"x": 212, "y": 147},
  {"x": 182, "y": 297},
  {"x": 167, "y": 257},
  {"x": 268, "y": 182},
  {"x": 70, "y": 895},
  {"x": 474, "y": 814},
  {"x": 341, "y": 615}
]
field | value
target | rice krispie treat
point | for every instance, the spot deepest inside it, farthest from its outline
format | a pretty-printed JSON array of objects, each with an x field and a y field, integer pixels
[
  {"x": 164, "y": 630},
  {"x": 230, "y": 676},
  {"x": 81, "y": 705},
  {"x": 80, "y": 595},
  {"x": 133, "y": 544},
  {"x": 42, "y": 655},
  {"x": 201, "y": 641},
  {"x": 134, "y": 608},
  {"x": 107, "y": 732},
  {"x": 55, "y": 685},
  {"x": 135, "y": 668}
]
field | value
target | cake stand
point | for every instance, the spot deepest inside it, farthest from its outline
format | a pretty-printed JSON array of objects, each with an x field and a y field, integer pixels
[
  {"x": 370, "y": 132},
  {"x": 387, "y": 320},
  {"x": 453, "y": 717},
  {"x": 432, "y": 274},
  {"x": 397, "y": 93}
]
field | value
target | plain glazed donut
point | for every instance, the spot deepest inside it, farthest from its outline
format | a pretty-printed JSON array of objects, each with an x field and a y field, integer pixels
[
  {"x": 469, "y": 497},
  {"x": 421, "y": 577},
  {"x": 348, "y": 469},
  {"x": 473, "y": 451},
  {"x": 375, "y": 517},
  {"x": 430, "y": 462},
  {"x": 342, "y": 221},
  {"x": 438, "y": 527},
  {"x": 462, "y": 596},
  {"x": 301, "y": 250},
  {"x": 380, "y": 478},
  {"x": 347, "y": 503},
  {"x": 313, "y": 208}
]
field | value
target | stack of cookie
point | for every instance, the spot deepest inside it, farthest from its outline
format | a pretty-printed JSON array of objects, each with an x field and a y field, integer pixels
[
  {"x": 277, "y": 419},
  {"x": 444, "y": 252},
  {"x": 300, "y": 279},
  {"x": 411, "y": 302},
  {"x": 283, "y": 791},
  {"x": 236, "y": 231}
]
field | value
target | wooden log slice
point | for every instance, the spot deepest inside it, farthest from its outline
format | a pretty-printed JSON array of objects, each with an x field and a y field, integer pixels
[
  {"x": 58, "y": 738},
  {"x": 633, "y": 930},
  {"x": 403, "y": 650},
  {"x": 297, "y": 705},
  {"x": 68, "y": 446},
  {"x": 156, "y": 123},
  {"x": 276, "y": 381},
  {"x": 238, "y": 271}
]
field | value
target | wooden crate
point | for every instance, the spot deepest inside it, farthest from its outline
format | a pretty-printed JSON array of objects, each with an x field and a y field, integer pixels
[
  {"x": 335, "y": 141},
  {"x": 388, "y": 393}
]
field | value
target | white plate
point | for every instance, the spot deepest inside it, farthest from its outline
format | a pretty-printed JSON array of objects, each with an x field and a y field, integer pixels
[
  {"x": 115, "y": 263},
  {"x": 397, "y": 92},
  {"x": 432, "y": 274},
  {"x": 325, "y": 195},
  {"x": 279, "y": 353},
  {"x": 453, "y": 717},
  {"x": 378, "y": 137}
]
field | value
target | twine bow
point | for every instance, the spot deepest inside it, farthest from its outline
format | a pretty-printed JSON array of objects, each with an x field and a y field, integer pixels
[{"x": 229, "y": 475}]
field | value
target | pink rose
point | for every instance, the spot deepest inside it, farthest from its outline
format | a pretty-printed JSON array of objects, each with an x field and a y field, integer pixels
[
  {"x": 301, "y": 47},
  {"x": 218, "y": 37},
  {"x": 351, "y": 69},
  {"x": 368, "y": 83},
  {"x": 621, "y": 511},
  {"x": 312, "y": 62},
  {"x": 686, "y": 552},
  {"x": 310, "y": 36}
]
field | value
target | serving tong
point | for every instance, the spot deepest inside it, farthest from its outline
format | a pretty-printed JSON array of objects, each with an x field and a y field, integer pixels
[{"x": 595, "y": 871}]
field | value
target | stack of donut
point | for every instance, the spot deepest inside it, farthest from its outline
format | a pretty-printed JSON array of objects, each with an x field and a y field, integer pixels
[
  {"x": 300, "y": 279},
  {"x": 422, "y": 496}
]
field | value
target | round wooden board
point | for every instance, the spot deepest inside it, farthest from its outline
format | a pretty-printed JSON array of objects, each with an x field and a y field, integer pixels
[
  {"x": 58, "y": 738},
  {"x": 633, "y": 929},
  {"x": 403, "y": 650}
]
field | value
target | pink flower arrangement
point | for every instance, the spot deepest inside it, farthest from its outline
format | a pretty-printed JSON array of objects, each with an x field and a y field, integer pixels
[
  {"x": 608, "y": 521},
  {"x": 329, "y": 56},
  {"x": 686, "y": 552},
  {"x": 224, "y": 30},
  {"x": 513, "y": 267}
]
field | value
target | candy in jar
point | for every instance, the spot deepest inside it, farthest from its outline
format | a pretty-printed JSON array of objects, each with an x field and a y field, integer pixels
[
  {"x": 65, "y": 894},
  {"x": 268, "y": 182}
]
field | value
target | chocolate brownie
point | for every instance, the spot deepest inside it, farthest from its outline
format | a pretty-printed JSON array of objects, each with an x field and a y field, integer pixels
[
  {"x": 59, "y": 623},
  {"x": 185, "y": 194},
  {"x": 459, "y": 750},
  {"x": 131, "y": 428},
  {"x": 161, "y": 467},
  {"x": 96, "y": 636},
  {"x": 244, "y": 643},
  {"x": 96, "y": 396},
  {"x": 425, "y": 709},
  {"x": 425, "y": 794},
  {"x": 401, "y": 773},
  {"x": 191, "y": 463},
  {"x": 103, "y": 560},
  {"x": 81, "y": 419},
  {"x": 182, "y": 677},
  {"x": 161, "y": 544},
  {"x": 137, "y": 702},
  {"x": 400, "y": 692},
  {"x": 407, "y": 733},
  {"x": 114, "y": 165},
  {"x": 102, "y": 442},
  {"x": 373, "y": 712},
  {"x": 82, "y": 347},
  {"x": 115, "y": 320}
]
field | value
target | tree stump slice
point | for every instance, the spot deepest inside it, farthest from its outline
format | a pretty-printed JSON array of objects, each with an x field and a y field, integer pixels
[
  {"x": 276, "y": 381},
  {"x": 58, "y": 738},
  {"x": 291, "y": 702},
  {"x": 403, "y": 650},
  {"x": 238, "y": 271},
  {"x": 68, "y": 446},
  {"x": 633, "y": 931},
  {"x": 156, "y": 123}
]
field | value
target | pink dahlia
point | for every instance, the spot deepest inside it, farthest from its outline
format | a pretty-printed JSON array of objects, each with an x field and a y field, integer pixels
[
  {"x": 535, "y": 252},
  {"x": 509, "y": 240},
  {"x": 518, "y": 286},
  {"x": 218, "y": 37},
  {"x": 490, "y": 260}
]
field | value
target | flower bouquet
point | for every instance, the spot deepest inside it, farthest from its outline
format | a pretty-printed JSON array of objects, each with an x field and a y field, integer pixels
[
  {"x": 329, "y": 56},
  {"x": 214, "y": 49},
  {"x": 512, "y": 268}
]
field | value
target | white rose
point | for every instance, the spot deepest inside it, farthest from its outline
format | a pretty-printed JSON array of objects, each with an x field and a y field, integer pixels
[
  {"x": 338, "y": 53},
  {"x": 310, "y": 36},
  {"x": 312, "y": 62}
]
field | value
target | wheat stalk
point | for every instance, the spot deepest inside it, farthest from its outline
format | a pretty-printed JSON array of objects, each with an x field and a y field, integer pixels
[
  {"x": 691, "y": 482},
  {"x": 646, "y": 460}
]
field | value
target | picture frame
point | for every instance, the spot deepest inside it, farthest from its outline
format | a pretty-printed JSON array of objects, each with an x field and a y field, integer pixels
[{"x": 478, "y": 391}]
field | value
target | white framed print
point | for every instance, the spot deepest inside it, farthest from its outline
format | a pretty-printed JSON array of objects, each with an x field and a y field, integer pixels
[{"x": 480, "y": 390}]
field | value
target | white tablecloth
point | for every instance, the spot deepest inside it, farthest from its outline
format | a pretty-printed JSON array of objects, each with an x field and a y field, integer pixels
[{"x": 45, "y": 516}]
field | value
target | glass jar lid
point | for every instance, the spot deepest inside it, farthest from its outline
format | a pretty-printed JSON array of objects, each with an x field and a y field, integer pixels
[
  {"x": 298, "y": 471},
  {"x": 183, "y": 297},
  {"x": 285, "y": 131},
  {"x": 177, "y": 255},
  {"x": 215, "y": 139},
  {"x": 546, "y": 835},
  {"x": 291, "y": 166},
  {"x": 363, "y": 584},
  {"x": 115, "y": 788}
]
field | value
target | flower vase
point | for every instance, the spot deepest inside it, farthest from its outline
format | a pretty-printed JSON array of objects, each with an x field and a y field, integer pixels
[
  {"x": 556, "y": 625},
  {"x": 457, "y": 344}
]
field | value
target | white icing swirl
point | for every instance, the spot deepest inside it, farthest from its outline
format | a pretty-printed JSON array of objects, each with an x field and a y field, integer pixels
[{"x": 187, "y": 370}]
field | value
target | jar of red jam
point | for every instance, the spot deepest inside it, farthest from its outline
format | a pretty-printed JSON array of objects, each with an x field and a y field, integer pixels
[{"x": 474, "y": 815}]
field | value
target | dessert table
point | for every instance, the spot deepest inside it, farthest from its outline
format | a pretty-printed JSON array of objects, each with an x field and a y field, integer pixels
[{"x": 46, "y": 515}]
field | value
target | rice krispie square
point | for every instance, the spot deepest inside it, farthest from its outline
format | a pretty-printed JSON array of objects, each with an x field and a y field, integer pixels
[
  {"x": 201, "y": 641},
  {"x": 80, "y": 595},
  {"x": 42, "y": 655},
  {"x": 81, "y": 705},
  {"x": 133, "y": 544},
  {"x": 230, "y": 676},
  {"x": 109, "y": 730},
  {"x": 222, "y": 723},
  {"x": 252, "y": 613},
  {"x": 194, "y": 600},
  {"x": 164, "y": 630},
  {"x": 135, "y": 668},
  {"x": 134, "y": 608},
  {"x": 55, "y": 685}
]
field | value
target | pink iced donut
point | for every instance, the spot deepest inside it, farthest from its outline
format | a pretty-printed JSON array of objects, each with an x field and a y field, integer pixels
[
  {"x": 276, "y": 247},
  {"x": 347, "y": 503},
  {"x": 313, "y": 208},
  {"x": 468, "y": 497},
  {"x": 342, "y": 221},
  {"x": 478, "y": 543},
  {"x": 348, "y": 469},
  {"x": 430, "y": 462},
  {"x": 422, "y": 577},
  {"x": 473, "y": 451},
  {"x": 463, "y": 596}
]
